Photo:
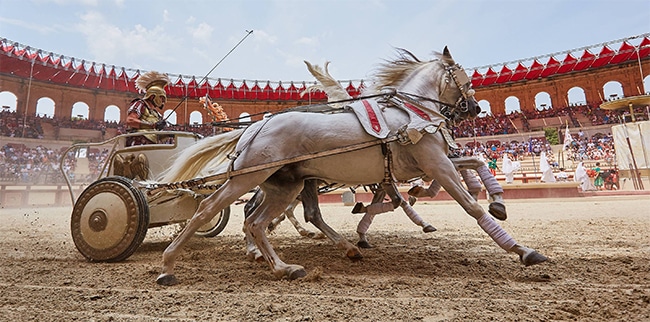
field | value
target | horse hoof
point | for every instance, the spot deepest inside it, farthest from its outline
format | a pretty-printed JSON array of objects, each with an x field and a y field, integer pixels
[
  {"x": 299, "y": 273},
  {"x": 416, "y": 191},
  {"x": 532, "y": 258},
  {"x": 429, "y": 229},
  {"x": 364, "y": 244},
  {"x": 498, "y": 211},
  {"x": 354, "y": 255},
  {"x": 358, "y": 208},
  {"x": 166, "y": 280},
  {"x": 412, "y": 200}
]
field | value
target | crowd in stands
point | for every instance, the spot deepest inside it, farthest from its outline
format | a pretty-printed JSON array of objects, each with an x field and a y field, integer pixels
[
  {"x": 598, "y": 147},
  {"x": 15, "y": 125},
  {"x": 40, "y": 164},
  {"x": 22, "y": 164}
]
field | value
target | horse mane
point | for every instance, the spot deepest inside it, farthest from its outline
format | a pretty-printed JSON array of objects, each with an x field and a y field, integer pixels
[{"x": 392, "y": 72}]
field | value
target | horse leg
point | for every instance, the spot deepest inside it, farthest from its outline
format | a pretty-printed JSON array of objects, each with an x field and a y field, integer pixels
[
  {"x": 420, "y": 192},
  {"x": 473, "y": 186},
  {"x": 252, "y": 253},
  {"x": 497, "y": 207},
  {"x": 449, "y": 180},
  {"x": 289, "y": 213},
  {"x": 376, "y": 206},
  {"x": 313, "y": 215},
  {"x": 391, "y": 190},
  {"x": 208, "y": 208},
  {"x": 277, "y": 197}
]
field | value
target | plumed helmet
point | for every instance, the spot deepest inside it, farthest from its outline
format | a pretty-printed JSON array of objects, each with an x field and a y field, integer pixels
[{"x": 153, "y": 84}]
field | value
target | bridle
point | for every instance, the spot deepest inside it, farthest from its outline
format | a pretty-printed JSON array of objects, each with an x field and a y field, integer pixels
[{"x": 450, "y": 111}]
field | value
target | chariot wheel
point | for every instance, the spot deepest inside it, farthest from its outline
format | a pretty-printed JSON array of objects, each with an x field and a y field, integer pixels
[
  {"x": 109, "y": 220},
  {"x": 216, "y": 225}
]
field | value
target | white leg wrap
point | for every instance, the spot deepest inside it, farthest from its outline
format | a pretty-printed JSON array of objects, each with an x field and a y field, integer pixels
[
  {"x": 415, "y": 218},
  {"x": 365, "y": 223},
  {"x": 379, "y": 208},
  {"x": 434, "y": 188},
  {"x": 489, "y": 181},
  {"x": 473, "y": 186},
  {"x": 371, "y": 211},
  {"x": 497, "y": 233}
]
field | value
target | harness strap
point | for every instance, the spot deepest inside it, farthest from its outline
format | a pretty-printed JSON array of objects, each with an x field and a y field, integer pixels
[{"x": 154, "y": 188}]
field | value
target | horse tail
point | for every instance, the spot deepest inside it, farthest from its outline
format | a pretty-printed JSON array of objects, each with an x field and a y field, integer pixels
[
  {"x": 205, "y": 157},
  {"x": 327, "y": 83}
]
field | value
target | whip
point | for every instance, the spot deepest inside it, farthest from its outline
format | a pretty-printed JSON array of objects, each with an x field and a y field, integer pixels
[{"x": 248, "y": 33}]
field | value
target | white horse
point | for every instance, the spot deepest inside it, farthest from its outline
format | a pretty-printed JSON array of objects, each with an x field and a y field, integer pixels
[
  {"x": 279, "y": 153},
  {"x": 336, "y": 93}
]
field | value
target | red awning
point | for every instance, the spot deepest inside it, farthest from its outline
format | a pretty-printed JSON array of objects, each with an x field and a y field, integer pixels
[
  {"x": 203, "y": 89},
  {"x": 353, "y": 91},
  {"x": 255, "y": 92},
  {"x": 520, "y": 72},
  {"x": 217, "y": 90},
  {"x": 192, "y": 88},
  {"x": 567, "y": 64},
  {"x": 535, "y": 70},
  {"x": 230, "y": 90},
  {"x": 585, "y": 61},
  {"x": 177, "y": 89},
  {"x": 604, "y": 57},
  {"x": 624, "y": 53},
  {"x": 477, "y": 78},
  {"x": 551, "y": 67},
  {"x": 504, "y": 75},
  {"x": 490, "y": 77},
  {"x": 644, "y": 48}
]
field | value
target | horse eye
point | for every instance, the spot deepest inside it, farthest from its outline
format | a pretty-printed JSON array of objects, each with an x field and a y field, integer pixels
[{"x": 463, "y": 106}]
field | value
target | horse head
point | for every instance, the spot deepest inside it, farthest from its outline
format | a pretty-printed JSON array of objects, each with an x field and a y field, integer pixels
[
  {"x": 466, "y": 106},
  {"x": 439, "y": 85}
]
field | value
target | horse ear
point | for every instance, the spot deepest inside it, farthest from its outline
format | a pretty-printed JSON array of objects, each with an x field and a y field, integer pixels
[{"x": 446, "y": 56}]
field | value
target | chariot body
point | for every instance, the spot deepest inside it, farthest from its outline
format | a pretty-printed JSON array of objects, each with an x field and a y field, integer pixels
[{"x": 111, "y": 216}]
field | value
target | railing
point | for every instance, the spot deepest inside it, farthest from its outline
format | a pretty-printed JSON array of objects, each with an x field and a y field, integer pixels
[{"x": 27, "y": 195}]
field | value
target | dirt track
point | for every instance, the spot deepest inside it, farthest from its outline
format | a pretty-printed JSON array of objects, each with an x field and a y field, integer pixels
[{"x": 599, "y": 270}]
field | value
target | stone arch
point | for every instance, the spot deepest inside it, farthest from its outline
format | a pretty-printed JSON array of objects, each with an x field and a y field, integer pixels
[
  {"x": 112, "y": 113},
  {"x": 45, "y": 106},
  {"x": 646, "y": 85},
  {"x": 543, "y": 101},
  {"x": 612, "y": 90},
  {"x": 196, "y": 118},
  {"x": 576, "y": 96},
  {"x": 8, "y": 101},
  {"x": 485, "y": 107},
  {"x": 512, "y": 104},
  {"x": 170, "y": 116},
  {"x": 80, "y": 110}
]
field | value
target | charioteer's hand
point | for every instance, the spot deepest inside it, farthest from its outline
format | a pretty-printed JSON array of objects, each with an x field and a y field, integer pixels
[{"x": 160, "y": 125}]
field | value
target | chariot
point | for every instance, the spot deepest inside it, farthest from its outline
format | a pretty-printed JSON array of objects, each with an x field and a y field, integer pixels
[{"x": 111, "y": 216}]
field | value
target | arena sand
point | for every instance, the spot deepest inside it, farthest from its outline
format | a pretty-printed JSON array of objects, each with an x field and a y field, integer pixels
[{"x": 599, "y": 269}]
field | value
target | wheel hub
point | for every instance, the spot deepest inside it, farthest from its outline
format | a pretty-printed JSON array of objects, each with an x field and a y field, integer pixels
[{"x": 98, "y": 220}]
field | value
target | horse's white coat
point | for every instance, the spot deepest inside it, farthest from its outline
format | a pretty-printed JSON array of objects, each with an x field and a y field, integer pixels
[{"x": 293, "y": 134}]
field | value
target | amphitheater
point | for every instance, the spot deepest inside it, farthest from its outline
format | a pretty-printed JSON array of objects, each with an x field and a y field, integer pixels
[
  {"x": 76, "y": 101},
  {"x": 597, "y": 242}
]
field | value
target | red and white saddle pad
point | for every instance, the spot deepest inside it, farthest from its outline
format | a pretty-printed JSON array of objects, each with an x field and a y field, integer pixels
[{"x": 371, "y": 118}]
